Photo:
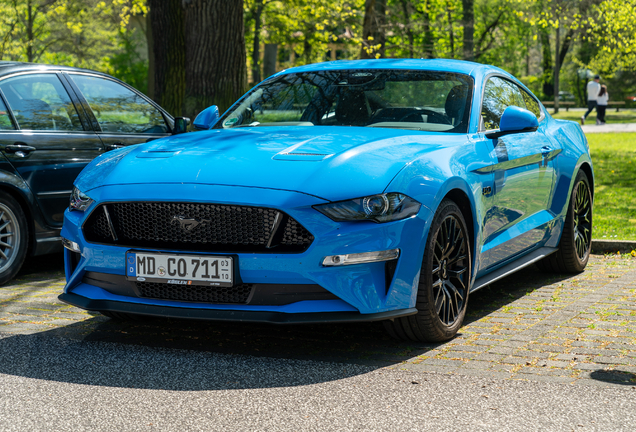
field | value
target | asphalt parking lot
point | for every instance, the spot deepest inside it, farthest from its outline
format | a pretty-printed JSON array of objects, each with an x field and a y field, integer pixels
[
  {"x": 532, "y": 326},
  {"x": 537, "y": 352}
]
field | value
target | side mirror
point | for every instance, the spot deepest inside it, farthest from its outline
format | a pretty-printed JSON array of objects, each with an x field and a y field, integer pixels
[
  {"x": 207, "y": 118},
  {"x": 180, "y": 125},
  {"x": 515, "y": 120}
]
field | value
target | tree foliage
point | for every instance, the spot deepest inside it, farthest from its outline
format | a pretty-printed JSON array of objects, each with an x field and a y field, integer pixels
[
  {"x": 517, "y": 35},
  {"x": 95, "y": 34}
]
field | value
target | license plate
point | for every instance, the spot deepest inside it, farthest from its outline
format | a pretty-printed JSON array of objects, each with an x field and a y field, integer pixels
[{"x": 179, "y": 269}]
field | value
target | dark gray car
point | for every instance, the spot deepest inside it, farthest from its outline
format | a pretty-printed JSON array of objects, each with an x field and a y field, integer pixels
[{"x": 53, "y": 121}]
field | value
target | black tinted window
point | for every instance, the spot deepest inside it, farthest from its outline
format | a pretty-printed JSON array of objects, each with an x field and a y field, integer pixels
[
  {"x": 40, "y": 102},
  {"x": 398, "y": 99},
  {"x": 119, "y": 109},
  {"x": 531, "y": 104},
  {"x": 499, "y": 94},
  {"x": 5, "y": 120}
]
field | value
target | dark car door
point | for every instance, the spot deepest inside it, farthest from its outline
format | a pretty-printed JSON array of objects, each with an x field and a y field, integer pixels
[
  {"x": 51, "y": 140},
  {"x": 120, "y": 115},
  {"x": 524, "y": 177}
]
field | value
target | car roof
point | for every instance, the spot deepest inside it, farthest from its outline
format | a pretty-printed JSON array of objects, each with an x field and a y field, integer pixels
[
  {"x": 10, "y": 67},
  {"x": 442, "y": 65}
]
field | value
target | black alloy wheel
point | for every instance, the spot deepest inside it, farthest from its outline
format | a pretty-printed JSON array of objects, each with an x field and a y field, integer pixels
[
  {"x": 576, "y": 240},
  {"x": 582, "y": 214},
  {"x": 444, "y": 281},
  {"x": 450, "y": 290}
]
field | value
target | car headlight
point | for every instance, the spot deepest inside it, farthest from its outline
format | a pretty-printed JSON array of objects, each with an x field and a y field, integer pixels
[
  {"x": 377, "y": 208},
  {"x": 79, "y": 200}
]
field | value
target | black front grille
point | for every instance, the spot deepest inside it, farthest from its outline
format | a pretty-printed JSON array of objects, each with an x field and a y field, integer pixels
[
  {"x": 192, "y": 226},
  {"x": 195, "y": 293}
]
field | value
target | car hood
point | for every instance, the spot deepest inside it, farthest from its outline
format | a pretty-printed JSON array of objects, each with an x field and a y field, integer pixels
[{"x": 331, "y": 163}]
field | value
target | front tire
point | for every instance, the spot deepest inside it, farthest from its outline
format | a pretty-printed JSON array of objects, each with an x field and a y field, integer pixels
[
  {"x": 444, "y": 284},
  {"x": 14, "y": 236},
  {"x": 576, "y": 240}
]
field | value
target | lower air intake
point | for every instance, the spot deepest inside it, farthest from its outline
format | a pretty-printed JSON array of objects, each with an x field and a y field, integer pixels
[{"x": 195, "y": 293}]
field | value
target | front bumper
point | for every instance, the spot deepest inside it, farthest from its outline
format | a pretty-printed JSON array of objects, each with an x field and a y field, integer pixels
[
  {"x": 229, "y": 315},
  {"x": 361, "y": 289}
]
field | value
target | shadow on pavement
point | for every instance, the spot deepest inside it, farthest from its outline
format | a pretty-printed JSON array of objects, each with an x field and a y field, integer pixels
[
  {"x": 42, "y": 267},
  {"x": 125, "y": 366},
  {"x": 614, "y": 377},
  {"x": 507, "y": 290},
  {"x": 193, "y": 355}
]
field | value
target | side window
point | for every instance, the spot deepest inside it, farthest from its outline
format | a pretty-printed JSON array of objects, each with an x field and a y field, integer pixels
[
  {"x": 499, "y": 94},
  {"x": 40, "y": 102},
  {"x": 5, "y": 120},
  {"x": 119, "y": 109},
  {"x": 531, "y": 104}
]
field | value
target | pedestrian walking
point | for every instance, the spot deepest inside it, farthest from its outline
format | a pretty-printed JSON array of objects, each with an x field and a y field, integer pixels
[
  {"x": 593, "y": 89},
  {"x": 601, "y": 105}
]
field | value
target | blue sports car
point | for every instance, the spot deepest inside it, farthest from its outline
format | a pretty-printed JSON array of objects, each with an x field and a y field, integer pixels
[{"x": 343, "y": 191}]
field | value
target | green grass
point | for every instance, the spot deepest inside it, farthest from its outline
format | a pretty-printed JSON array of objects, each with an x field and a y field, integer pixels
[
  {"x": 611, "y": 116},
  {"x": 614, "y": 159}
]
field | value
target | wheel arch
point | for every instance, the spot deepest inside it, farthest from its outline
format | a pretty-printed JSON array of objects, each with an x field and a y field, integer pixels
[
  {"x": 459, "y": 197},
  {"x": 23, "y": 202},
  {"x": 587, "y": 169}
]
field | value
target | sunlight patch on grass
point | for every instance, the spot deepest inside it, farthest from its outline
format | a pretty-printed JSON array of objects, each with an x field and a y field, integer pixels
[
  {"x": 614, "y": 159},
  {"x": 611, "y": 116}
]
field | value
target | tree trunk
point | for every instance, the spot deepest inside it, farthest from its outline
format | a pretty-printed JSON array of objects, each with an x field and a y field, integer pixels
[
  {"x": 407, "y": 23},
  {"x": 29, "y": 31},
  {"x": 168, "y": 48},
  {"x": 215, "y": 69},
  {"x": 373, "y": 30},
  {"x": 428, "y": 34},
  {"x": 557, "y": 69},
  {"x": 548, "y": 87},
  {"x": 150, "y": 44},
  {"x": 450, "y": 25},
  {"x": 269, "y": 60},
  {"x": 468, "y": 22},
  {"x": 256, "y": 51}
]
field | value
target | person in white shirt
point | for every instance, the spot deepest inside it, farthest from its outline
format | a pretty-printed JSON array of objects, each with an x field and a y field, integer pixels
[
  {"x": 593, "y": 89},
  {"x": 601, "y": 105}
]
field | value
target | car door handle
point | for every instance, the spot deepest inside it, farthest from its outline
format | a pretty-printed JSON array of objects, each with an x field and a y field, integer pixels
[
  {"x": 19, "y": 149},
  {"x": 115, "y": 146},
  {"x": 545, "y": 150}
]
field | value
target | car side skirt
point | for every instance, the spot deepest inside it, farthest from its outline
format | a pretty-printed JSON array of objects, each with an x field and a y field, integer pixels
[
  {"x": 514, "y": 266},
  {"x": 230, "y": 315}
]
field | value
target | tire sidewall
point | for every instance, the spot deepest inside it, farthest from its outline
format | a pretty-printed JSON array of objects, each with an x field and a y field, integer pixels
[
  {"x": 580, "y": 263},
  {"x": 21, "y": 224},
  {"x": 446, "y": 208}
]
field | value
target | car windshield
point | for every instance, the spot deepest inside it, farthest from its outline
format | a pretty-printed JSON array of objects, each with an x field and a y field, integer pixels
[{"x": 401, "y": 99}]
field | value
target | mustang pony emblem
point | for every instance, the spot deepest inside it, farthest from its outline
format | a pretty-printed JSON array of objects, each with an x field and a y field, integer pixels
[{"x": 189, "y": 224}]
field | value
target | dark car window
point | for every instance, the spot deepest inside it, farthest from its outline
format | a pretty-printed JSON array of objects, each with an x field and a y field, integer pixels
[
  {"x": 40, "y": 102},
  {"x": 119, "y": 109},
  {"x": 531, "y": 103},
  {"x": 5, "y": 120},
  {"x": 499, "y": 94},
  {"x": 398, "y": 99}
]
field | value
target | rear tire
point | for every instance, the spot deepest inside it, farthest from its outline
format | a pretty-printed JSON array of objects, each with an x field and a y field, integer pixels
[
  {"x": 14, "y": 237},
  {"x": 576, "y": 240},
  {"x": 445, "y": 276}
]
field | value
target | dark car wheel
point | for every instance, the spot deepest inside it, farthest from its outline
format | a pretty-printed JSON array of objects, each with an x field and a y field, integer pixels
[
  {"x": 14, "y": 236},
  {"x": 576, "y": 240},
  {"x": 444, "y": 281}
]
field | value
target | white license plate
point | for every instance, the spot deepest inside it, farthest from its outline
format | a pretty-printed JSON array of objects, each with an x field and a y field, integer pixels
[{"x": 179, "y": 269}]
